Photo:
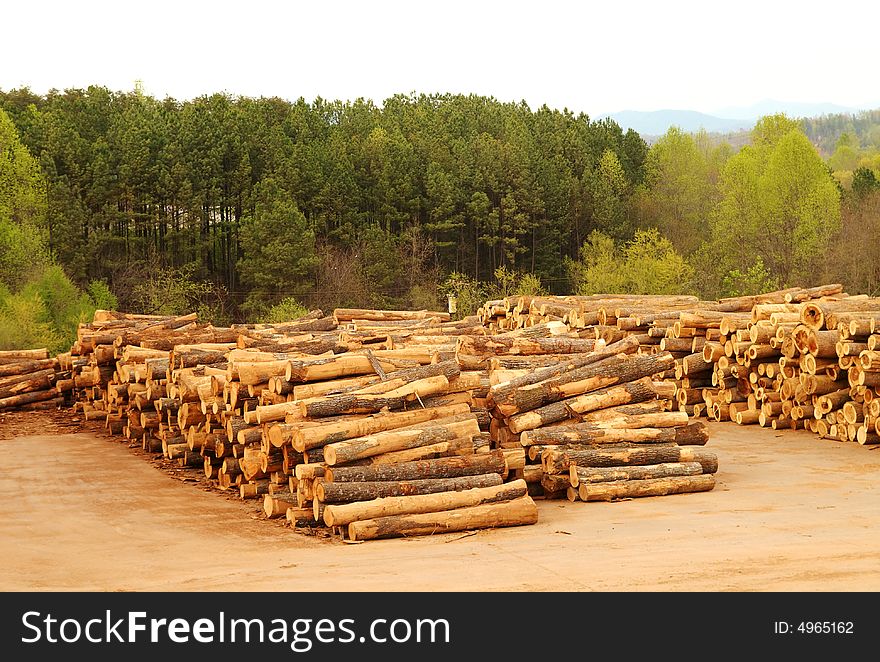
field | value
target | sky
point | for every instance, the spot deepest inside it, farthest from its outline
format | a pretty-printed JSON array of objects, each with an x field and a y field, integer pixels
[{"x": 594, "y": 57}]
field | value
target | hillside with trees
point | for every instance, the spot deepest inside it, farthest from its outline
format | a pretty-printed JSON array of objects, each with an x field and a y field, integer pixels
[{"x": 244, "y": 208}]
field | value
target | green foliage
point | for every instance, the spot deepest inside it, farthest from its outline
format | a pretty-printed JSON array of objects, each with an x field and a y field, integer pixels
[
  {"x": 286, "y": 310},
  {"x": 864, "y": 182},
  {"x": 65, "y": 305},
  {"x": 681, "y": 187},
  {"x": 754, "y": 280},
  {"x": 167, "y": 291},
  {"x": 25, "y": 324},
  {"x": 609, "y": 195},
  {"x": 648, "y": 264},
  {"x": 22, "y": 252},
  {"x": 240, "y": 188},
  {"x": 770, "y": 129},
  {"x": 469, "y": 293},
  {"x": 22, "y": 190},
  {"x": 101, "y": 296},
  {"x": 530, "y": 285},
  {"x": 778, "y": 203},
  {"x": 278, "y": 246}
]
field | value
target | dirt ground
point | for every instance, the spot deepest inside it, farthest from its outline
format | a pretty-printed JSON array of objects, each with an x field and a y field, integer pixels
[{"x": 790, "y": 512}]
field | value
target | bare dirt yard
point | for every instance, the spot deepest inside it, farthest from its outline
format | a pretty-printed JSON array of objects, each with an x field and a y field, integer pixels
[{"x": 790, "y": 512}]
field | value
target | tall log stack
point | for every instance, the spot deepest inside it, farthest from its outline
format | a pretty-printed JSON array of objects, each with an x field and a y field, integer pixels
[
  {"x": 29, "y": 379},
  {"x": 806, "y": 362},
  {"x": 599, "y": 407}
]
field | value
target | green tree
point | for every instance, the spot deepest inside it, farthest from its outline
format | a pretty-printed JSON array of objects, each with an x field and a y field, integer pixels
[
  {"x": 778, "y": 203},
  {"x": 278, "y": 247},
  {"x": 609, "y": 196},
  {"x": 680, "y": 187}
]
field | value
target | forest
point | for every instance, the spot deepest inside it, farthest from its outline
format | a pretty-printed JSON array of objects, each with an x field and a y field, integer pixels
[{"x": 260, "y": 208}]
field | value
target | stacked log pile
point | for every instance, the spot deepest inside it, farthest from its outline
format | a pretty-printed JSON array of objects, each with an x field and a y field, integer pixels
[
  {"x": 29, "y": 379},
  {"x": 600, "y": 409},
  {"x": 285, "y": 412},
  {"x": 802, "y": 363}
]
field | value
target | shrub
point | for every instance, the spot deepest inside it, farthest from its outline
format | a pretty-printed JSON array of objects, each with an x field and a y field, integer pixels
[
  {"x": 646, "y": 265},
  {"x": 286, "y": 310}
]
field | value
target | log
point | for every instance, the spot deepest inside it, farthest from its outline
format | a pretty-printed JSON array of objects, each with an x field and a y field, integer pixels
[
  {"x": 632, "y": 392},
  {"x": 342, "y": 514},
  {"x": 349, "y": 314},
  {"x": 518, "y": 512},
  {"x": 504, "y": 392},
  {"x": 590, "y": 434},
  {"x": 276, "y": 505},
  {"x": 483, "y": 346},
  {"x": 627, "y": 489},
  {"x": 559, "y": 461},
  {"x": 445, "y": 467},
  {"x": 350, "y": 404},
  {"x": 26, "y": 367},
  {"x": 18, "y": 384},
  {"x": 18, "y": 355},
  {"x": 608, "y": 372},
  {"x": 333, "y": 368},
  {"x": 345, "y": 492},
  {"x": 694, "y": 434},
  {"x": 578, "y": 475},
  {"x": 395, "y": 440},
  {"x": 462, "y": 446},
  {"x": 27, "y": 398},
  {"x": 304, "y": 438}
]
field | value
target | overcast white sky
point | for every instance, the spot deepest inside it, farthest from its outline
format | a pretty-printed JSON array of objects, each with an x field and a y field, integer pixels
[{"x": 592, "y": 57}]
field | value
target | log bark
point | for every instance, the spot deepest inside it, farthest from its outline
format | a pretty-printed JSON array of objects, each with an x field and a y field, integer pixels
[
  {"x": 276, "y": 505},
  {"x": 395, "y": 440},
  {"x": 304, "y": 438},
  {"x": 350, "y": 404},
  {"x": 445, "y": 467},
  {"x": 26, "y": 367},
  {"x": 627, "y": 489},
  {"x": 694, "y": 434},
  {"x": 349, "y": 314},
  {"x": 589, "y": 434},
  {"x": 18, "y": 355},
  {"x": 340, "y": 515},
  {"x": 18, "y": 384},
  {"x": 504, "y": 392},
  {"x": 364, "y": 491},
  {"x": 579, "y": 475},
  {"x": 631, "y": 392},
  {"x": 558, "y": 461},
  {"x": 333, "y": 367},
  {"x": 610, "y": 371},
  {"x": 27, "y": 398},
  {"x": 614, "y": 420},
  {"x": 509, "y": 513},
  {"x": 462, "y": 446},
  {"x": 494, "y": 345}
]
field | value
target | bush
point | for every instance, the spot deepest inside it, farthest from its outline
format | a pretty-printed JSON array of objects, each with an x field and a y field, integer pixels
[
  {"x": 169, "y": 291},
  {"x": 469, "y": 293},
  {"x": 22, "y": 253},
  {"x": 286, "y": 310},
  {"x": 646, "y": 265},
  {"x": 25, "y": 324},
  {"x": 755, "y": 280},
  {"x": 101, "y": 296}
]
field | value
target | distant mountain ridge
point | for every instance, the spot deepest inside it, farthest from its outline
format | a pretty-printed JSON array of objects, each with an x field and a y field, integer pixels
[
  {"x": 724, "y": 120},
  {"x": 657, "y": 122}
]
